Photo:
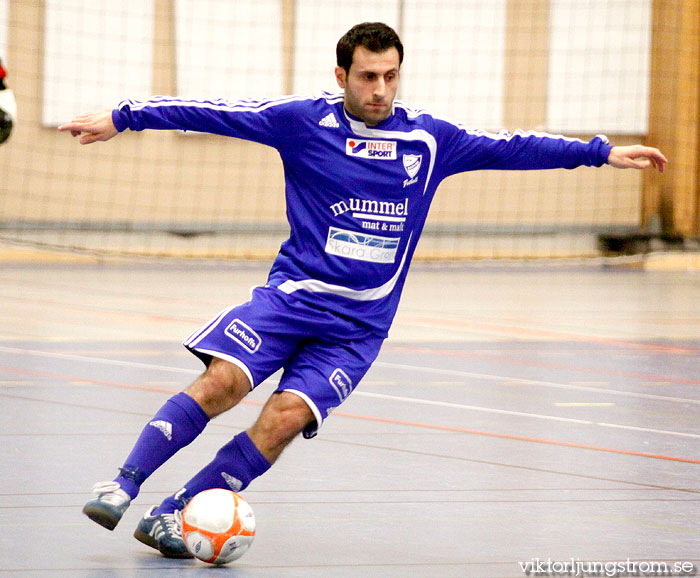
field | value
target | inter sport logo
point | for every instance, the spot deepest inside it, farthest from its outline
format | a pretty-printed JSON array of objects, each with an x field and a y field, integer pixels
[
  {"x": 371, "y": 149},
  {"x": 357, "y": 147}
]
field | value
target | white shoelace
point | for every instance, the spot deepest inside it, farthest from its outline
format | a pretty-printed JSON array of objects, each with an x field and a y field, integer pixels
[
  {"x": 111, "y": 493},
  {"x": 173, "y": 523}
]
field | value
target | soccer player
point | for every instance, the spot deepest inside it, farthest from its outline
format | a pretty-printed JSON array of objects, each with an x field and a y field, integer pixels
[{"x": 361, "y": 170}]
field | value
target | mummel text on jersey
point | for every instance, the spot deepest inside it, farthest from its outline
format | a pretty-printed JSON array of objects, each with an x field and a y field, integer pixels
[{"x": 357, "y": 196}]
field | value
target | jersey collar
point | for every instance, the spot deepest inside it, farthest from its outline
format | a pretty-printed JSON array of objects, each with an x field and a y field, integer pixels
[{"x": 355, "y": 121}]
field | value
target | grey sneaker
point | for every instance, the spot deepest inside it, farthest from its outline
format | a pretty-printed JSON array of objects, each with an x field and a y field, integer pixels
[
  {"x": 163, "y": 532},
  {"x": 109, "y": 505}
]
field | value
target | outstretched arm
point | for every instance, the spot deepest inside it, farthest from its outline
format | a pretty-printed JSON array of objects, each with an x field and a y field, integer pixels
[
  {"x": 97, "y": 126},
  {"x": 636, "y": 157},
  {"x": 270, "y": 122}
]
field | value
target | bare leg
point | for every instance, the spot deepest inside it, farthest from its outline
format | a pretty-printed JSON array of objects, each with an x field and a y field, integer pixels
[
  {"x": 284, "y": 416},
  {"x": 222, "y": 386}
]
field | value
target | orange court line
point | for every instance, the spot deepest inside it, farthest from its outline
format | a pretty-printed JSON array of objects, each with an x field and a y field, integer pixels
[
  {"x": 74, "y": 378},
  {"x": 542, "y": 333},
  {"x": 533, "y": 363},
  {"x": 121, "y": 385},
  {"x": 514, "y": 437}
]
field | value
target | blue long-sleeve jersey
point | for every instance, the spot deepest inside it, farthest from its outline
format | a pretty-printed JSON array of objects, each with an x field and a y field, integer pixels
[{"x": 357, "y": 196}]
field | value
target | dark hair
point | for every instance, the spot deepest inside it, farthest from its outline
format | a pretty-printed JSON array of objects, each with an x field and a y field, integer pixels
[{"x": 374, "y": 36}]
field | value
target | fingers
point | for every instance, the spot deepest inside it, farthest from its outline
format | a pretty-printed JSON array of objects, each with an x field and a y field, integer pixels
[
  {"x": 95, "y": 126},
  {"x": 637, "y": 157},
  {"x": 659, "y": 160},
  {"x": 649, "y": 157},
  {"x": 89, "y": 139},
  {"x": 72, "y": 127},
  {"x": 89, "y": 136},
  {"x": 75, "y": 127},
  {"x": 78, "y": 123},
  {"x": 654, "y": 158},
  {"x": 645, "y": 163}
]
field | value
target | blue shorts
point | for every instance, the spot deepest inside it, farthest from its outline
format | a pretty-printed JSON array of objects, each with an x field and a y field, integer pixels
[{"x": 324, "y": 355}]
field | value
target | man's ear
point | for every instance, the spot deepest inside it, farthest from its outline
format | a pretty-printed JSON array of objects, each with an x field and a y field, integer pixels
[{"x": 340, "y": 76}]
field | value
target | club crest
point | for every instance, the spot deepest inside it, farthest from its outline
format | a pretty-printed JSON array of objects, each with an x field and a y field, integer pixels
[{"x": 412, "y": 164}]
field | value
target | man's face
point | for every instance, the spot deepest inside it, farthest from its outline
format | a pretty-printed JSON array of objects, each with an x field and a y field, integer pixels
[{"x": 371, "y": 84}]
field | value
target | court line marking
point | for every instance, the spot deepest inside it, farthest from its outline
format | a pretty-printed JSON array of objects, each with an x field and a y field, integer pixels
[
  {"x": 102, "y": 360},
  {"x": 449, "y": 404},
  {"x": 391, "y": 420},
  {"x": 394, "y": 421},
  {"x": 492, "y": 377},
  {"x": 451, "y": 372},
  {"x": 407, "y": 423},
  {"x": 538, "y": 333},
  {"x": 517, "y": 438},
  {"x": 419, "y": 401},
  {"x": 584, "y": 404},
  {"x": 636, "y": 485},
  {"x": 414, "y": 400},
  {"x": 392, "y": 397},
  {"x": 402, "y": 348},
  {"x": 519, "y": 414}
]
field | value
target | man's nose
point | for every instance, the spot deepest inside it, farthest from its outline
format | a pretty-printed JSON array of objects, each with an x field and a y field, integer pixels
[{"x": 379, "y": 88}]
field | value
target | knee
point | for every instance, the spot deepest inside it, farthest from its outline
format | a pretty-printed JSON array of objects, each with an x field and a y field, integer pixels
[
  {"x": 293, "y": 415},
  {"x": 222, "y": 386},
  {"x": 282, "y": 419}
]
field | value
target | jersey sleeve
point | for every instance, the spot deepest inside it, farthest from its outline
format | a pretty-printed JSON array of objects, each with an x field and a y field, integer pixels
[
  {"x": 468, "y": 150},
  {"x": 267, "y": 122}
]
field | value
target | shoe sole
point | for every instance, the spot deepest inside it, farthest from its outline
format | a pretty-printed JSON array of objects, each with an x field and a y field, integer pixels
[
  {"x": 146, "y": 538},
  {"x": 101, "y": 517}
]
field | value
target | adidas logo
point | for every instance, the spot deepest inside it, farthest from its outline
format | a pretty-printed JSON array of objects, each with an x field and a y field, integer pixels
[
  {"x": 181, "y": 496},
  {"x": 165, "y": 428},
  {"x": 234, "y": 483},
  {"x": 329, "y": 121}
]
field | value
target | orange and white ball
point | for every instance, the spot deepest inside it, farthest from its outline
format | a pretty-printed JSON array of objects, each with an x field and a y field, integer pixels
[{"x": 218, "y": 526}]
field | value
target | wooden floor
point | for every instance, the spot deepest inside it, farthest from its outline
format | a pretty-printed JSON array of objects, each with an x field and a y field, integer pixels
[{"x": 518, "y": 419}]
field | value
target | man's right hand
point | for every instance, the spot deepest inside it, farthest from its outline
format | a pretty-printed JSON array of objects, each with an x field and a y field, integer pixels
[{"x": 97, "y": 126}]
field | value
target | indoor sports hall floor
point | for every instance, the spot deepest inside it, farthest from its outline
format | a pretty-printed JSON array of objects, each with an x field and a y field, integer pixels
[{"x": 518, "y": 419}]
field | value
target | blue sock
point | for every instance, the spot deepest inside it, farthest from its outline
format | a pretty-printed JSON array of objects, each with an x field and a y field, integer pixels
[
  {"x": 236, "y": 464},
  {"x": 177, "y": 424}
]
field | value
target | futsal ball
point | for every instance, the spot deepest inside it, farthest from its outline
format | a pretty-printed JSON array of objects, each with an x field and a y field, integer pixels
[{"x": 218, "y": 526}]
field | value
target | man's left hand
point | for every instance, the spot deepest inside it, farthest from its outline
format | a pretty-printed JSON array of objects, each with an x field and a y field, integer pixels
[{"x": 637, "y": 157}]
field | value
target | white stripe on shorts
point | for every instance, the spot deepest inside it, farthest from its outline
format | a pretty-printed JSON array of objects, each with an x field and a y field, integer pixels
[
  {"x": 205, "y": 330},
  {"x": 237, "y": 362},
  {"x": 311, "y": 404}
]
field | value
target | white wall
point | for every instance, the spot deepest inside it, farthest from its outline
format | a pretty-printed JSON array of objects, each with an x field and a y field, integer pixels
[
  {"x": 96, "y": 52},
  {"x": 230, "y": 49},
  {"x": 599, "y": 66},
  {"x": 319, "y": 25},
  {"x": 4, "y": 17},
  {"x": 454, "y": 59}
]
